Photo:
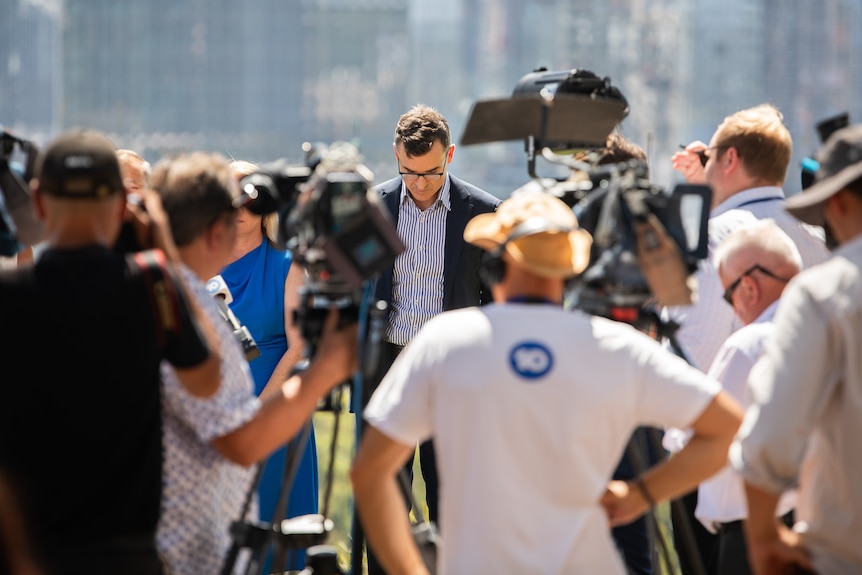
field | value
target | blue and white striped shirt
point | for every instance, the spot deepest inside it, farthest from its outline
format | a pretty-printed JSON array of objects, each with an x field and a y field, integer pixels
[{"x": 417, "y": 278}]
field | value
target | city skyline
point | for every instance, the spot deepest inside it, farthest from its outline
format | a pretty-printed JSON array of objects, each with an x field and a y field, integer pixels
[{"x": 258, "y": 79}]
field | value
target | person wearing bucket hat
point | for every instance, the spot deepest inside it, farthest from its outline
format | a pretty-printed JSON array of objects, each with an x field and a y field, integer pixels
[
  {"x": 530, "y": 407},
  {"x": 89, "y": 327},
  {"x": 807, "y": 390}
]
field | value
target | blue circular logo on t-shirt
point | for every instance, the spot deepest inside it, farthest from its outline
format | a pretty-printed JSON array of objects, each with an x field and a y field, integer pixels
[{"x": 531, "y": 359}]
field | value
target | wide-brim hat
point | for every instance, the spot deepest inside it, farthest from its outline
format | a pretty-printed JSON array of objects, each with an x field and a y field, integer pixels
[
  {"x": 840, "y": 162},
  {"x": 538, "y": 230}
]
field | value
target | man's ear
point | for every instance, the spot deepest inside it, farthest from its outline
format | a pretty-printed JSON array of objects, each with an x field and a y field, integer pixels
[
  {"x": 730, "y": 159},
  {"x": 217, "y": 232},
  {"x": 749, "y": 289},
  {"x": 841, "y": 200}
]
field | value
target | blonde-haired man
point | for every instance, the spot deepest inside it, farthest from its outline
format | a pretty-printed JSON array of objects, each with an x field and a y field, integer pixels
[{"x": 530, "y": 405}]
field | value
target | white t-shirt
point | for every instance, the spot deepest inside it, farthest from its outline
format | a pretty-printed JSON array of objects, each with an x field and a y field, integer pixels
[{"x": 530, "y": 408}]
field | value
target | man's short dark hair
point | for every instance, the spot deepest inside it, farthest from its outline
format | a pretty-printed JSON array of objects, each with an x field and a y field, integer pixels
[{"x": 419, "y": 128}]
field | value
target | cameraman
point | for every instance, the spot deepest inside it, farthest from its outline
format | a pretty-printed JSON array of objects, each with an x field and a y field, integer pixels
[
  {"x": 530, "y": 408},
  {"x": 212, "y": 444},
  {"x": 89, "y": 328}
]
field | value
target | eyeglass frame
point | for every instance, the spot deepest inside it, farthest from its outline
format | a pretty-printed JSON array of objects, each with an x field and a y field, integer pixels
[
  {"x": 728, "y": 293},
  {"x": 702, "y": 155},
  {"x": 429, "y": 176}
]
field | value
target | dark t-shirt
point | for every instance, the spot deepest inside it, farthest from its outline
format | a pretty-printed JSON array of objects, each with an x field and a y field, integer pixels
[{"x": 80, "y": 424}]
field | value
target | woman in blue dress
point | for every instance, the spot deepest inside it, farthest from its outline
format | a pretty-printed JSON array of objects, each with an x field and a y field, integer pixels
[{"x": 264, "y": 283}]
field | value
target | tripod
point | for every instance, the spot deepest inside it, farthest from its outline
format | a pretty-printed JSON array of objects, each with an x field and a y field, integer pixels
[
  {"x": 307, "y": 532},
  {"x": 297, "y": 533}
]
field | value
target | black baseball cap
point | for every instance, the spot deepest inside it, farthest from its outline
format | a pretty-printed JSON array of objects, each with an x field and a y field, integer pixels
[
  {"x": 80, "y": 164},
  {"x": 840, "y": 162}
]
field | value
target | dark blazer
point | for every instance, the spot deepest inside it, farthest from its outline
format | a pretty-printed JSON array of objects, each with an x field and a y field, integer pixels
[{"x": 461, "y": 284}]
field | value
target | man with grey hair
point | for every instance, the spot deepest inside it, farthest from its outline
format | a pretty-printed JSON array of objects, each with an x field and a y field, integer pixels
[{"x": 754, "y": 264}]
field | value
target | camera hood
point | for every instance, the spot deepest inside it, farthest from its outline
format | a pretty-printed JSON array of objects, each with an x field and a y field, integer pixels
[{"x": 560, "y": 110}]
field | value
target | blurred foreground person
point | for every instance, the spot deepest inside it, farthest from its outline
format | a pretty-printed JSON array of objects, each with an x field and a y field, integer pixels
[
  {"x": 805, "y": 419},
  {"x": 530, "y": 408},
  {"x": 91, "y": 326},
  {"x": 211, "y": 444}
]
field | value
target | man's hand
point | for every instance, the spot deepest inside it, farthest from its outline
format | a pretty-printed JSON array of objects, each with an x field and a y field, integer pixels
[
  {"x": 623, "y": 503},
  {"x": 687, "y": 162},
  {"x": 773, "y": 549},
  {"x": 152, "y": 228},
  {"x": 779, "y": 555}
]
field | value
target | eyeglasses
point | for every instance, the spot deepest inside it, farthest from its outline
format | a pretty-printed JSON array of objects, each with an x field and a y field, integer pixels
[
  {"x": 429, "y": 177},
  {"x": 704, "y": 157},
  {"x": 728, "y": 293}
]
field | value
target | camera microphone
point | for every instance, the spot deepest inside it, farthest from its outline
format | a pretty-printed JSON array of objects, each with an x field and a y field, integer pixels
[{"x": 217, "y": 288}]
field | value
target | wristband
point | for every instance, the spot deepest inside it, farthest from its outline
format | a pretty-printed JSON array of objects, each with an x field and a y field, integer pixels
[{"x": 639, "y": 483}]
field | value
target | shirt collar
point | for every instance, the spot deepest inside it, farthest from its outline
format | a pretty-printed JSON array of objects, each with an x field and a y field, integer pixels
[
  {"x": 444, "y": 197},
  {"x": 746, "y": 196},
  {"x": 768, "y": 314}
]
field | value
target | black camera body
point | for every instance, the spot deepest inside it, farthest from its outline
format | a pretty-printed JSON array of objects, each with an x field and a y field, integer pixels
[
  {"x": 18, "y": 224},
  {"x": 647, "y": 242},
  {"x": 332, "y": 221}
]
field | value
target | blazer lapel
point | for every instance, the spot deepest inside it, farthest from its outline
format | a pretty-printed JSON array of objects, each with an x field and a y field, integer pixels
[{"x": 456, "y": 221}]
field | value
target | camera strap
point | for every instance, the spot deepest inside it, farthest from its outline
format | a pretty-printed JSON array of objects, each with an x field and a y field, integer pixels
[{"x": 150, "y": 267}]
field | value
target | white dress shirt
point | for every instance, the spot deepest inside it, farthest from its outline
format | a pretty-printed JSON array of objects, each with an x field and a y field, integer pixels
[{"x": 721, "y": 498}]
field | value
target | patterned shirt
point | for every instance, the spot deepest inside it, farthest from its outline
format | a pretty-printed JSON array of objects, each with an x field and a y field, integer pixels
[
  {"x": 417, "y": 277},
  {"x": 203, "y": 492}
]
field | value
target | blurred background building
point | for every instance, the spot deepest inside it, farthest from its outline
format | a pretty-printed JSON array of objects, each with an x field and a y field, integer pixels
[{"x": 255, "y": 79}]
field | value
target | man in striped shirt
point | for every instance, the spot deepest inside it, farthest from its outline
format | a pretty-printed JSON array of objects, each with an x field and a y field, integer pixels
[{"x": 438, "y": 270}]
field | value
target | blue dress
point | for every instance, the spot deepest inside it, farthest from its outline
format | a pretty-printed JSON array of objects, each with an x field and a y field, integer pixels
[{"x": 256, "y": 282}]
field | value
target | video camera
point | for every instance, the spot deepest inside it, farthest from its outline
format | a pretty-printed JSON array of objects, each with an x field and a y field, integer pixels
[
  {"x": 332, "y": 221},
  {"x": 18, "y": 225},
  {"x": 646, "y": 242}
]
